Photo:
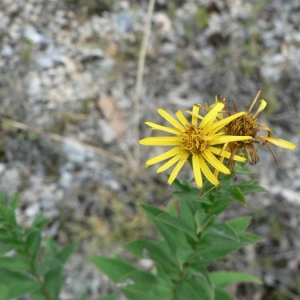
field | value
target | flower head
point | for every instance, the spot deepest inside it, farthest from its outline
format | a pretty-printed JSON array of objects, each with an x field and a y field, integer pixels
[
  {"x": 195, "y": 142},
  {"x": 249, "y": 125}
]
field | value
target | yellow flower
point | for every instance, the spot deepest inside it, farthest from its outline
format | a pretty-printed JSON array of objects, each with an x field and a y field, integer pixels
[
  {"x": 194, "y": 141},
  {"x": 249, "y": 125}
]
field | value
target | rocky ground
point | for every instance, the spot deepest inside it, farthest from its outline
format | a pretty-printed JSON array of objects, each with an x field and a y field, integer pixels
[{"x": 68, "y": 71}]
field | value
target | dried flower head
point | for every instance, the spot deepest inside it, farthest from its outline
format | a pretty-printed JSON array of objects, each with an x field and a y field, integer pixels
[
  {"x": 248, "y": 125},
  {"x": 197, "y": 142}
]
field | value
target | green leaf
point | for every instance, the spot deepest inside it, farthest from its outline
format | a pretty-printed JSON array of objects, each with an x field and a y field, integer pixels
[
  {"x": 114, "y": 268},
  {"x": 8, "y": 277},
  {"x": 151, "y": 249},
  {"x": 172, "y": 235},
  {"x": 182, "y": 254},
  {"x": 13, "y": 202},
  {"x": 181, "y": 185},
  {"x": 33, "y": 243},
  {"x": 185, "y": 291},
  {"x": 17, "y": 263},
  {"x": 226, "y": 190},
  {"x": 223, "y": 279},
  {"x": 114, "y": 296},
  {"x": 239, "y": 224},
  {"x": 196, "y": 288},
  {"x": 202, "y": 220},
  {"x": 53, "y": 282},
  {"x": 222, "y": 295},
  {"x": 15, "y": 290},
  {"x": 38, "y": 294},
  {"x": 248, "y": 187},
  {"x": 250, "y": 237},
  {"x": 64, "y": 254},
  {"x": 238, "y": 196},
  {"x": 219, "y": 205},
  {"x": 177, "y": 223},
  {"x": 51, "y": 246},
  {"x": 186, "y": 213},
  {"x": 223, "y": 230},
  {"x": 40, "y": 222},
  {"x": 4, "y": 234},
  {"x": 171, "y": 209},
  {"x": 192, "y": 195},
  {"x": 48, "y": 264}
]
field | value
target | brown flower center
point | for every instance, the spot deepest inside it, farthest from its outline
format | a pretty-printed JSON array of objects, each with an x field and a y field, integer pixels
[
  {"x": 243, "y": 126},
  {"x": 192, "y": 139}
]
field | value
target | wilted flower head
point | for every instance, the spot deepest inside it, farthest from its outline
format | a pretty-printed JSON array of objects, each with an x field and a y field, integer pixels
[
  {"x": 197, "y": 142},
  {"x": 248, "y": 125}
]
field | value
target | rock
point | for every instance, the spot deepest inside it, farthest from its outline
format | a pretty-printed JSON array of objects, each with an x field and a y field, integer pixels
[
  {"x": 34, "y": 36},
  {"x": 122, "y": 23},
  {"x": 7, "y": 51},
  {"x": 108, "y": 134},
  {"x": 51, "y": 58},
  {"x": 10, "y": 180}
]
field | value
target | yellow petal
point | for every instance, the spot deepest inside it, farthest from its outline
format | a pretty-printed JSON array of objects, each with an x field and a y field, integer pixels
[
  {"x": 197, "y": 170},
  {"x": 195, "y": 112},
  {"x": 228, "y": 138},
  {"x": 207, "y": 172},
  {"x": 170, "y": 119},
  {"x": 215, "y": 162},
  {"x": 220, "y": 124},
  {"x": 163, "y": 128},
  {"x": 172, "y": 161},
  {"x": 195, "y": 115},
  {"x": 160, "y": 141},
  {"x": 262, "y": 106},
  {"x": 211, "y": 116},
  {"x": 177, "y": 168},
  {"x": 279, "y": 142},
  {"x": 163, "y": 156},
  {"x": 182, "y": 118},
  {"x": 225, "y": 154}
]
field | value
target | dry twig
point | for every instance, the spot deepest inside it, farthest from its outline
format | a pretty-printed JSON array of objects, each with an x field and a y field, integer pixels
[
  {"x": 69, "y": 141},
  {"x": 139, "y": 80}
]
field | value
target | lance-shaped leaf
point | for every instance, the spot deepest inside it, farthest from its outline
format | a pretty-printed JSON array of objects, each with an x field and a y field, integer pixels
[
  {"x": 223, "y": 279},
  {"x": 202, "y": 219}
]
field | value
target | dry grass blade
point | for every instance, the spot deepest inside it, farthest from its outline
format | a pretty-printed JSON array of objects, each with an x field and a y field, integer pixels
[{"x": 139, "y": 79}]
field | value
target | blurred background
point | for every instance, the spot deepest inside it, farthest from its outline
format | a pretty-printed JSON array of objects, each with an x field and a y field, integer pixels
[{"x": 69, "y": 121}]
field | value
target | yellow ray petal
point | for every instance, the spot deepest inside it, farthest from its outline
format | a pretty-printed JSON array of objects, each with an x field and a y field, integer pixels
[
  {"x": 172, "y": 161},
  {"x": 163, "y": 156},
  {"x": 279, "y": 142},
  {"x": 160, "y": 141},
  {"x": 220, "y": 124},
  {"x": 182, "y": 118},
  {"x": 177, "y": 168},
  {"x": 170, "y": 119},
  {"x": 197, "y": 170},
  {"x": 262, "y": 106},
  {"x": 195, "y": 112},
  {"x": 228, "y": 138},
  {"x": 197, "y": 116},
  {"x": 211, "y": 116},
  {"x": 163, "y": 128},
  {"x": 207, "y": 172},
  {"x": 225, "y": 154},
  {"x": 215, "y": 162}
]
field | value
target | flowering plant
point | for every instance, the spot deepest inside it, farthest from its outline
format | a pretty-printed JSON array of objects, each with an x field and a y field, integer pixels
[
  {"x": 191, "y": 234},
  {"x": 191, "y": 237}
]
